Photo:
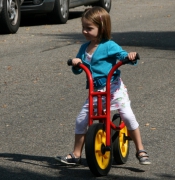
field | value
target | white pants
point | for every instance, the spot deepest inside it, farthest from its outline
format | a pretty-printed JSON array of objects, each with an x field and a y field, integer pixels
[{"x": 119, "y": 101}]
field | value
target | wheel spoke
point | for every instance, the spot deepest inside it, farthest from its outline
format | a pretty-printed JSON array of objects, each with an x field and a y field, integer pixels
[
  {"x": 9, "y": 5},
  {"x": 98, "y": 147},
  {"x": 106, "y": 156},
  {"x": 12, "y": 4},
  {"x": 99, "y": 153},
  {"x": 12, "y": 9},
  {"x": 123, "y": 147},
  {"x": 64, "y": 8},
  {"x": 100, "y": 137},
  {"x": 107, "y": 3}
]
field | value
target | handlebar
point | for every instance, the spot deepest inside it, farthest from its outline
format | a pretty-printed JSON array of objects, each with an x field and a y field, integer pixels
[
  {"x": 125, "y": 61},
  {"x": 69, "y": 62}
]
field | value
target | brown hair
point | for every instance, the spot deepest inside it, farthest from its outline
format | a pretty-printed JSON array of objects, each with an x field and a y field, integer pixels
[{"x": 101, "y": 18}]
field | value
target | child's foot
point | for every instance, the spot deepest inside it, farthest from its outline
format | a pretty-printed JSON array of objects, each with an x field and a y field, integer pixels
[
  {"x": 72, "y": 160},
  {"x": 143, "y": 157}
]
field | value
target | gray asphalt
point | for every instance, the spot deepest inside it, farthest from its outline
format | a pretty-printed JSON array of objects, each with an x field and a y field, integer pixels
[{"x": 40, "y": 97}]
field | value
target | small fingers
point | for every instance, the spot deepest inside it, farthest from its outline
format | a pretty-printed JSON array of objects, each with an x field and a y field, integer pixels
[
  {"x": 132, "y": 56},
  {"x": 75, "y": 61}
]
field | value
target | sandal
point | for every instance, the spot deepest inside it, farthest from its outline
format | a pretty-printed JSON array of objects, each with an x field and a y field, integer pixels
[
  {"x": 69, "y": 161},
  {"x": 143, "y": 159}
]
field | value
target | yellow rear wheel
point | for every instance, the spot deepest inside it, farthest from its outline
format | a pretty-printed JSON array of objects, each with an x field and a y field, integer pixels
[
  {"x": 120, "y": 143},
  {"x": 123, "y": 144}
]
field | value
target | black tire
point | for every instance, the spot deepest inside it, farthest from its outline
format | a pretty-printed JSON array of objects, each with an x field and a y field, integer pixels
[
  {"x": 60, "y": 13},
  {"x": 99, "y": 162},
  {"x": 106, "y": 4},
  {"x": 120, "y": 144},
  {"x": 10, "y": 17}
]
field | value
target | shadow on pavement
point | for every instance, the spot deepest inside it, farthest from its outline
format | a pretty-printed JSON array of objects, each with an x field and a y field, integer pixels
[
  {"x": 59, "y": 171},
  {"x": 156, "y": 40},
  {"x": 41, "y": 161},
  {"x": 129, "y": 168},
  {"x": 49, "y": 162}
]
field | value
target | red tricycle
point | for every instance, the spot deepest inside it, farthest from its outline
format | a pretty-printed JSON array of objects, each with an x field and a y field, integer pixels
[{"x": 105, "y": 139}]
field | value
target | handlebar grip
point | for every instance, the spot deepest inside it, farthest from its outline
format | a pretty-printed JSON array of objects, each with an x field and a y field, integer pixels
[
  {"x": 137, "y": 56},
  {"x": 126, "y": 60},
  {"x": 69, "y": 62}
]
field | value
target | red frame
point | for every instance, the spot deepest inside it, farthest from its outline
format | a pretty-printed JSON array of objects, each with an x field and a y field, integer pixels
[{"x": 101, "y": 115}]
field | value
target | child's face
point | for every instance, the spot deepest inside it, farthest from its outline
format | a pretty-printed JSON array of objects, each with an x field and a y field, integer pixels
[{"x": 89, "y": 30}]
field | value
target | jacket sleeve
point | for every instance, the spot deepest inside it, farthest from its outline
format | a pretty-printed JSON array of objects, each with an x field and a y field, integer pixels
[
  {"x": 115, "y": 50},
  {"x": 118, "y": 52}
]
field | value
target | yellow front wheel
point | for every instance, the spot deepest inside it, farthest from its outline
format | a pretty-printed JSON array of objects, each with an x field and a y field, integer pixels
[{"x": 98, "y": 160}]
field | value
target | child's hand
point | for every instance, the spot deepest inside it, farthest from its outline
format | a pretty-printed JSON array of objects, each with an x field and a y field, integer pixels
[
  {"x": 132, "y": 56},
  {"x": 75, "y": 61}
]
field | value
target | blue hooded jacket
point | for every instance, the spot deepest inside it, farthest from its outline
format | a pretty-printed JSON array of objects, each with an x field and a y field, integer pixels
[{"x": 104, "y": 58}]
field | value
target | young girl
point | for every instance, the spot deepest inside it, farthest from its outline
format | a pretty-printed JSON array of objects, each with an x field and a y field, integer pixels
[{"x": 100, "y": 54}]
